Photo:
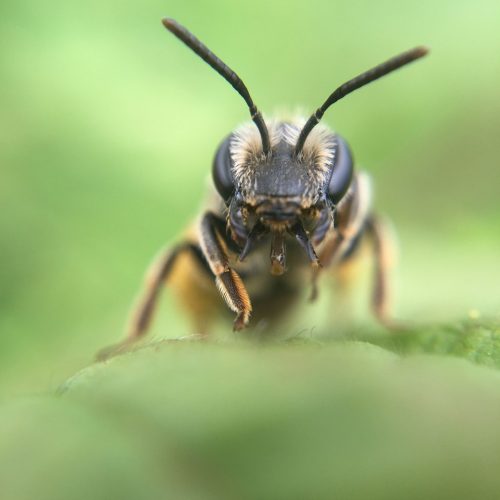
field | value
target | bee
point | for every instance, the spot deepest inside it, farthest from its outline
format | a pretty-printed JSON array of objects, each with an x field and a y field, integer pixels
[{"x": 287, "y": 206}]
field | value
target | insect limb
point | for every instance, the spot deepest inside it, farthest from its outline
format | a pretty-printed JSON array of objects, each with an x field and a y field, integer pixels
[
  {"x": 327, "y": 255},
  {"x": 143, "y": 311},
  {"x": 255, "y": 234},
  {"x": 301, "y": 236},
  {"x": 214, "y": 246},
  {"x": 350, "y": 218},
  {"x": 323, "y": 225},
  {"x": 236, "y": 223},
  {"x": 384, "y": 256}
]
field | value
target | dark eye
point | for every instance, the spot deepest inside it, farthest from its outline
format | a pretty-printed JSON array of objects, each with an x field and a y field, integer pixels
[
  {"x": 221, "y": 171},
  {"x": 341, "y": 172}
]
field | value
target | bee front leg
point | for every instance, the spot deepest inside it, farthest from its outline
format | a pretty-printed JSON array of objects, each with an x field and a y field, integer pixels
[{"x": 214, "y": 245}]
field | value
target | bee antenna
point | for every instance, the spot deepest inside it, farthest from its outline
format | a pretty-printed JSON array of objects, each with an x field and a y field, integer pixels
[
  {"x": 354, "y": 84},
  {"x": 210, "y": 58}
]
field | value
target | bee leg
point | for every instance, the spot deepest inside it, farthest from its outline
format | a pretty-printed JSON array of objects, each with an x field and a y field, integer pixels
[
  {"x": 350, "y": 217},
  {"x": 384, "y": 255},
  {"x": 214, "y": 244},
  {"x": 326, "y": 257},
  {"x": 143, "y": 312}
]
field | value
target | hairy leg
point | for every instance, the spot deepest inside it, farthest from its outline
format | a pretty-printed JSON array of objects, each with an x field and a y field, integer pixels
[{"x": 214, "y": 245}]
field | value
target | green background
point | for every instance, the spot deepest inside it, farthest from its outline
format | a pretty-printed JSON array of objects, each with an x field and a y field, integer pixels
[{"x": 108, "y": 126}]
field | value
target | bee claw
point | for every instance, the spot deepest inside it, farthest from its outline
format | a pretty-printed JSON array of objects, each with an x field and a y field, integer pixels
[{"x": 240, "y": 322}]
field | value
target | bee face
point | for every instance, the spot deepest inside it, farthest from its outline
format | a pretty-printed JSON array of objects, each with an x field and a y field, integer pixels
[{"x": 281, "y": 191}]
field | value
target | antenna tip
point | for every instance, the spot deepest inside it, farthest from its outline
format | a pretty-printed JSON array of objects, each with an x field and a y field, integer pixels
[
  {"x": 169, "y": 23},
  {"x": 421, "y": 51}
]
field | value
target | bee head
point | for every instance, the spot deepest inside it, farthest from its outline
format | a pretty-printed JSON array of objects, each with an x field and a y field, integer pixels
[{"x": 281, "y": 192}]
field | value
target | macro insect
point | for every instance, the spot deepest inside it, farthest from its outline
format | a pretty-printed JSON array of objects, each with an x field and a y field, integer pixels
[{"x": 287, "y": 206}]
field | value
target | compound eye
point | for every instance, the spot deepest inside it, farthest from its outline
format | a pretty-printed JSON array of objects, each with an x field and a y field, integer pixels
[
  {"x": 221, "y": 171},
  {"x": 341, "y": 172}
]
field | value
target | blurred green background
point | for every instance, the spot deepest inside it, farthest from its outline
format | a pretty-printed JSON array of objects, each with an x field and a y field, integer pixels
[{"x": 108, "y": 126}]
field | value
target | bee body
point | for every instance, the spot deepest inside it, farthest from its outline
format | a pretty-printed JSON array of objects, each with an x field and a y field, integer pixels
[
  {"x": 271, "y": 297},
  {"x": 288, "y": 204}
]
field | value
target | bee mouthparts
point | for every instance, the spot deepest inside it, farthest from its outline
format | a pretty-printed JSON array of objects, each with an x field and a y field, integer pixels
[{"x": 278, "y": 254}]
